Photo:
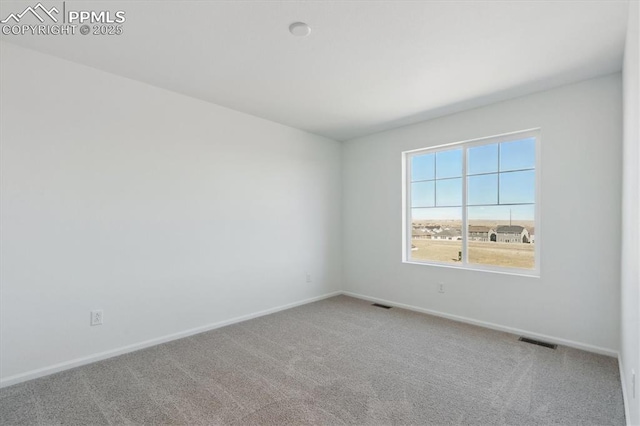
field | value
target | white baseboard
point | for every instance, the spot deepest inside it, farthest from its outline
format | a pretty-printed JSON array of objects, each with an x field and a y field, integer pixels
[
  {"x": 551, "y": 339},
  {"x": 625, "y": 398},
  {"x": 45, "y": 371}
]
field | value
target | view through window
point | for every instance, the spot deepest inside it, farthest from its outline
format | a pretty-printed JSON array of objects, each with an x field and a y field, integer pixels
[{"x": 474, "y": 204}]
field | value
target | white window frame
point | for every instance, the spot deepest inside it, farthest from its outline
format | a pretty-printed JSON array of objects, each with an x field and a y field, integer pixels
[{"x": 464, "y": 264}]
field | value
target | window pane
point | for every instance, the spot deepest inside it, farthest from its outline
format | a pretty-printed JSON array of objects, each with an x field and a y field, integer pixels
[
  {"x": 518, "y": 187},
  {"x": 502, "y": 236},
  {"x": 436, "y": 235},
  {"x": 482, "y": 159},
  {"x": 482, "y": 189},
  {"x": 518, "y": 155},
  {"x": 423, "y": 167},
  {"x": 423, "y": 194},
  {"x": 449, "y": 164},
  {"x": 449, "y": 192}
]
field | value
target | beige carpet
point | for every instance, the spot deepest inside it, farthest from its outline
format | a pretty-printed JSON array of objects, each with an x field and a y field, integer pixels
[{"x": 338, "y": 361}]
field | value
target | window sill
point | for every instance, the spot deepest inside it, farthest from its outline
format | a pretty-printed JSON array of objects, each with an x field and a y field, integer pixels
[{"x": 516, "y": 272}]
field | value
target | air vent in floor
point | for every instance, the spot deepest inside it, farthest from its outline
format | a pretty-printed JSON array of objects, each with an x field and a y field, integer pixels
[
  {"x": 377, "y": 305},
  {"x": 538, "y": 342}
]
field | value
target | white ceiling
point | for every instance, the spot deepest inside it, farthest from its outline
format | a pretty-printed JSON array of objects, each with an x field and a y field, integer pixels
[{"x": 367, "y": 66}]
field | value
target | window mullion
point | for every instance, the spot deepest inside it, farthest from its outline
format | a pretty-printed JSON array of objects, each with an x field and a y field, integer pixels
[
  {"x": 498, "y": 174},
  {"x": 465, "y": 228},
  {"x": 408, "y": 206},
  {"x": 435, "y": 180}
]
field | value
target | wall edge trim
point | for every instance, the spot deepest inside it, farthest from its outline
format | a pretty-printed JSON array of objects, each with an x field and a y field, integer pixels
[
  {"x": 77, "y": 362},
  {"x": 492, "y": 326}
]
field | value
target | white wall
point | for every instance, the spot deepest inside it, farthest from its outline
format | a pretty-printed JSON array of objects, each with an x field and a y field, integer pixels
[
  {"x": 577, "y": 297},
  {"x": 630, "y": 330},
  {"x": 167, "y": 212},
  {"x": 171, "y": 214}
]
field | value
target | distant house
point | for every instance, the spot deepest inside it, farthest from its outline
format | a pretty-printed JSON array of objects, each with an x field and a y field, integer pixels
[
  {"x": 501, "y": 234},
  {"x": 421, "y": 234},
  {"x": 448, "y": 234},
  {"x": 422, "y": 231},
  {"x": 510, "y": 234},
  {"x": 429, "y": 228},
  {"x": 479, "y": 233}
]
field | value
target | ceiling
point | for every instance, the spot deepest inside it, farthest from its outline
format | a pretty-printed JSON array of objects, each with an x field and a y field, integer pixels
[{"x": 367, "y": 66}]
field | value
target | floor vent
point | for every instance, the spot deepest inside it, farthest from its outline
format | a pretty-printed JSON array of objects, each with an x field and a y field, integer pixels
[
  {"x": 538, "y": 342},
  {"x": 377, "y": 305}
]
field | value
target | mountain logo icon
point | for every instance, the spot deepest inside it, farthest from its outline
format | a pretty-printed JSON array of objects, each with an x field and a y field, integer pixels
[{"x": 38, "y": 11}]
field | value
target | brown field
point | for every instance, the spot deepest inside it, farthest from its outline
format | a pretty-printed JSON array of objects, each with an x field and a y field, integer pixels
[{"x": 488, "y": 253}]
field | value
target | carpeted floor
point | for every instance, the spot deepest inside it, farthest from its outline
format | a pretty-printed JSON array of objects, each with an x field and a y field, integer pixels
[{"x": 337, "y": 361}]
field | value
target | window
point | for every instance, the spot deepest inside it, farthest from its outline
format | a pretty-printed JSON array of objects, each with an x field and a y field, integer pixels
[{"x": 475, "y": 204}]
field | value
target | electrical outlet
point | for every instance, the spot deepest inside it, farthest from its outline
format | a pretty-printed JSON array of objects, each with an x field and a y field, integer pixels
[
  {"x": 441, "y": 287},
  {"x": 308, "y": 278},
  {"x": 96, "y": 317}
]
